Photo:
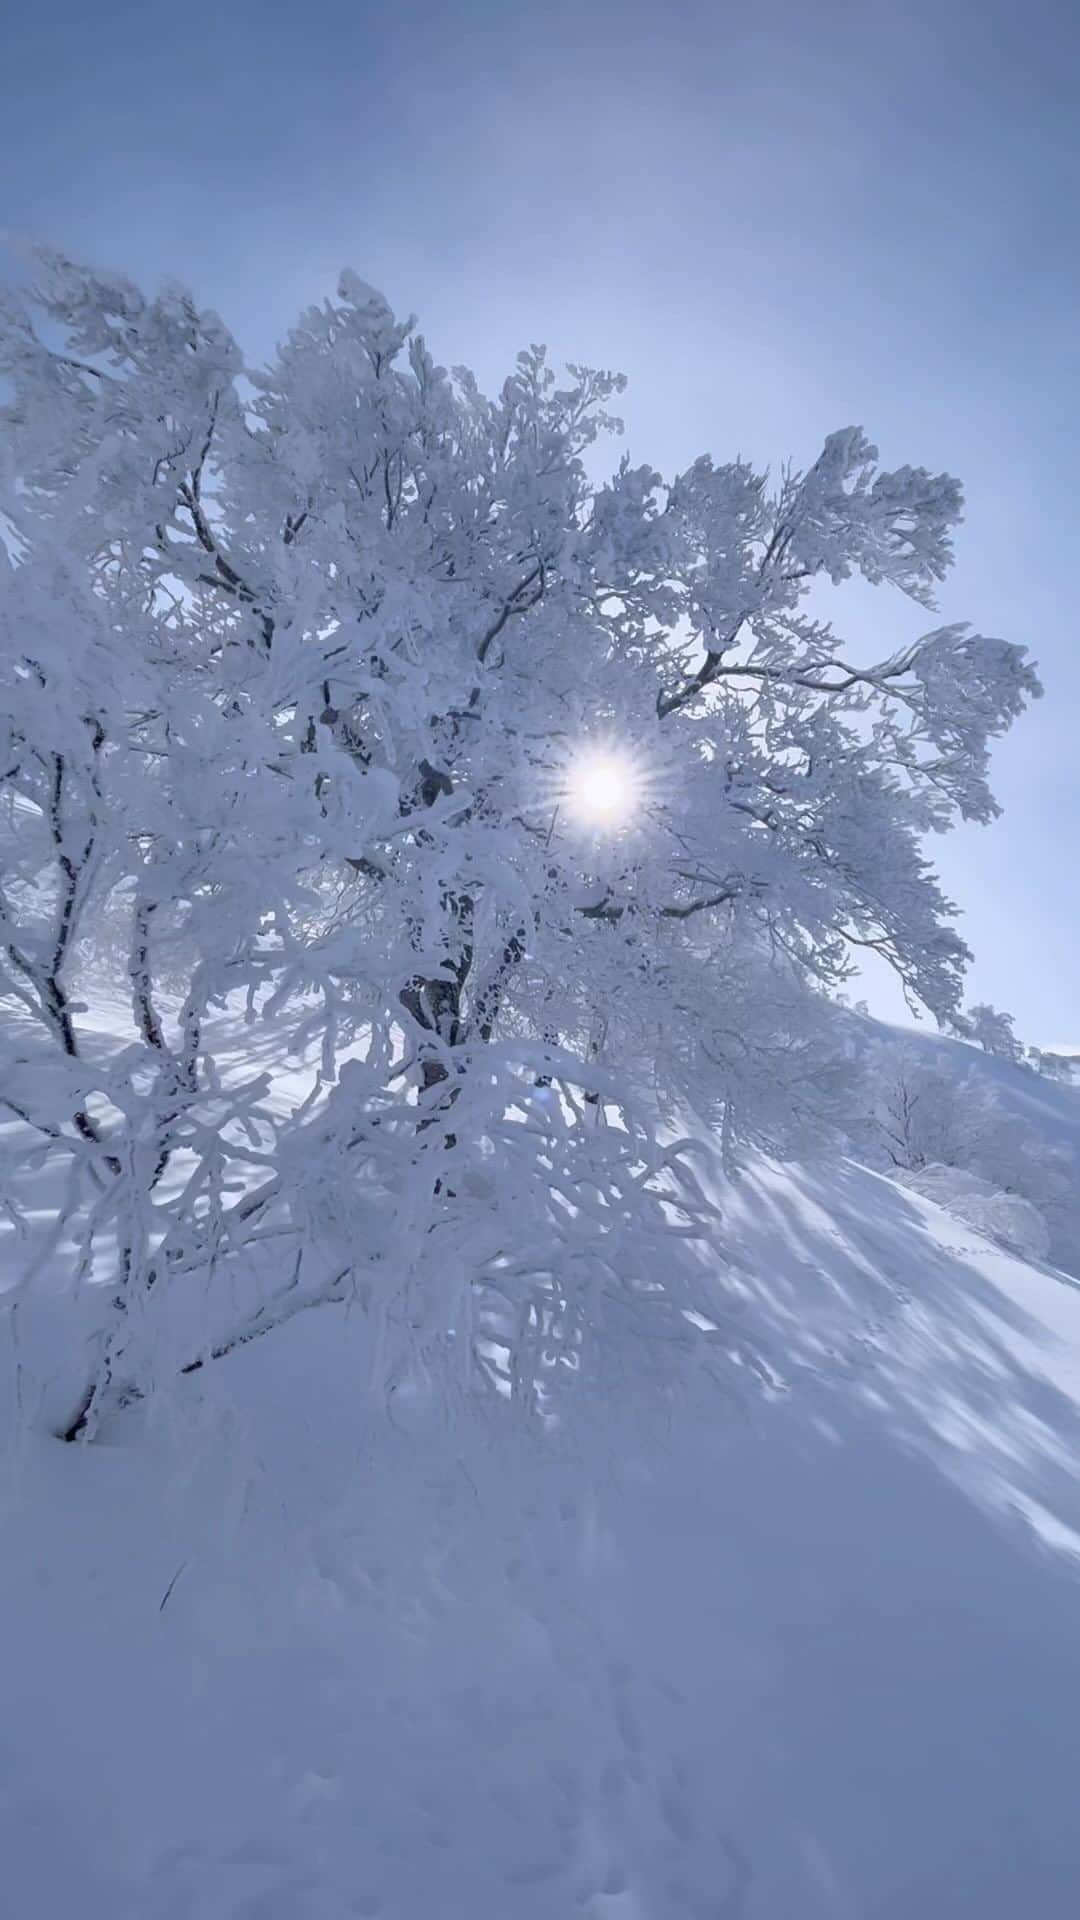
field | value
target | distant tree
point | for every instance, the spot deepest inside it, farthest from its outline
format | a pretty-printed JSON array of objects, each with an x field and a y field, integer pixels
[
  {"x": 928, "y": 1114},
  {"x": 993, "y": 1032},
  {"x": 1053, "y": 1066},
  {"x": 924, "y": 1115},
  {"x": 541, "y": 801}
]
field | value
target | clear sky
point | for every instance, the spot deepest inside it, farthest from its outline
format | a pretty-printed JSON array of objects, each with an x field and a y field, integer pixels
[{"x": 778, "y": 217}]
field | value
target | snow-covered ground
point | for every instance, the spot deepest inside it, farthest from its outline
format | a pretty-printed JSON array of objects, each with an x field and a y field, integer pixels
[{"x": 806, "y": 1649}]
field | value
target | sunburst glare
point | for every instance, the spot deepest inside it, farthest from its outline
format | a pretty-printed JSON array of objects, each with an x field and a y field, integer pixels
[{"x": 604, "y": 787}]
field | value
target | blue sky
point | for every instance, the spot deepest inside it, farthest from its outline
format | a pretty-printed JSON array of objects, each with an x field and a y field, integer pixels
[{"x": 777, "y": 218}]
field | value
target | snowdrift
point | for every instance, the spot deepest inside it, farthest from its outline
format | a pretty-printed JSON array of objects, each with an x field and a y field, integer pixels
[{"x": 804, "y": 1648}]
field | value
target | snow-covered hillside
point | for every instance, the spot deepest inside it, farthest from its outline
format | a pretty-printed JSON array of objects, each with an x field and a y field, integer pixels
[
  {"x": 1050, "y": 1107},
  {"x": 994, "y": 1141},
  {"x": 803, "y": 1644}
]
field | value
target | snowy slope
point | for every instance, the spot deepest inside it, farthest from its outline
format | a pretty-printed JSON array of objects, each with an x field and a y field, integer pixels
[
  {"x": 793, "y": 1652},
  {"x": 1014, "y": 1132},
  {"x": 1050, "y": 1107}
]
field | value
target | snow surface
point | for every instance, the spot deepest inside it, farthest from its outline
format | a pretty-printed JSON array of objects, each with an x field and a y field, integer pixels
[{"x": 807, "y": 1650}]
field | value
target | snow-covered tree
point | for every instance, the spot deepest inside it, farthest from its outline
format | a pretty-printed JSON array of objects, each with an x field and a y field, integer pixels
[
  {"x": 1053, "y": 1066},
  {"x": 540, "y": 801},
  {"x": 993, "y": 1032},
  {"x": 923, "y": 1114},
  {"x": 929, "y": 1117}
]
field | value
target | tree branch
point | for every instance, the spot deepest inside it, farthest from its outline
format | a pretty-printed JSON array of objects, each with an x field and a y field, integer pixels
[{"x": 515, "y": 604}]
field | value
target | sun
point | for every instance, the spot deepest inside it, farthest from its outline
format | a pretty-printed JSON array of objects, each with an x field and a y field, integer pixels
[{"x": 603, "y": 789}]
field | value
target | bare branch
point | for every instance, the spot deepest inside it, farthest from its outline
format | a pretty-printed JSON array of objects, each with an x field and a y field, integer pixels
[{"x": 515, "y": 604}]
